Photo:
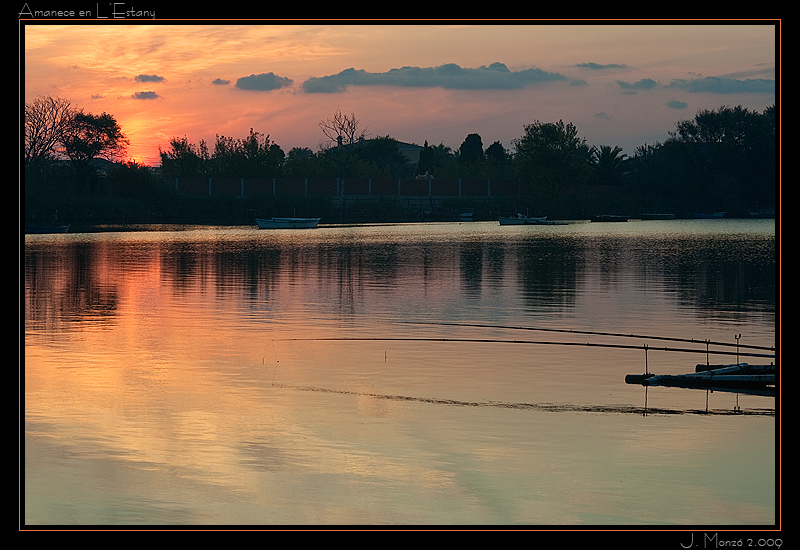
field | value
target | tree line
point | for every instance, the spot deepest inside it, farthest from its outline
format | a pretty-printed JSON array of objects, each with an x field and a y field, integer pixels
[{"x": 723, "y": 159}]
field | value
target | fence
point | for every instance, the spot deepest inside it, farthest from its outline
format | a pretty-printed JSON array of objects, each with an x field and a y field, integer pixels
[{"x": 330, "y": 187}]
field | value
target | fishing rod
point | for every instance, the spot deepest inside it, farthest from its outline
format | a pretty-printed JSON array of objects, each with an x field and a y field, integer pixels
[
  {"x": 537, "y": 342},
  {"x": 594, "y": 333}
]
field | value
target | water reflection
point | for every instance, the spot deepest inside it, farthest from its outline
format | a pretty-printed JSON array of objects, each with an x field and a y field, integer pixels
[
  {"x": 350, "y": 272},
  {"x": 179, "y": 376}
]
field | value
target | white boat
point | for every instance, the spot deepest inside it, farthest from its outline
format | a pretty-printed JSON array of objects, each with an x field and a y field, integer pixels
[
  {"x": 466, "y": 215},
  {"x": 287, "y": 223},
  {"x": 519, "y": 219}
]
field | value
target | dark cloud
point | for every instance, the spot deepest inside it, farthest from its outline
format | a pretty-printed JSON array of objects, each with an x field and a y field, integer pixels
[
  {"x": 263, "y": 82},
  {"x": 643, "y": 84},
  {"x": 221, "y": 82},
  {"x": 599, "y": 67},
  {"x": 145, "y": 95},
  {"x": 149, "y": 78},
  {"x": 451, "y": 76},
  {"x": 675, "y": 104},
  {"x": 716, "y": 85},
  {"x": 709, "y": 84}
]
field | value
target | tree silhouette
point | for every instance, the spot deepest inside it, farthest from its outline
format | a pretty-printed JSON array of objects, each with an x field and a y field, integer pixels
[
  {"x": 46, "y": 122},
  {"x": 252, "y": 157},
  {"x": 471, "y": 150},
  {"x": 343, "y": 135},
  {"x": 552, "y": 156},
  {"x": 608, "y": 164},
  {"x": 436, "y": 161},
  {"x": 341, "y": 129},
  {"x": 183, "y": 159},
  {"x": 90, "y": 137},
  {"x": 383, "y": 155}
]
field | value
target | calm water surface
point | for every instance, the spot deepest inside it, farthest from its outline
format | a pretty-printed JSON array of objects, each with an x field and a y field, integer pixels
[{"x": 230, "y": 376}]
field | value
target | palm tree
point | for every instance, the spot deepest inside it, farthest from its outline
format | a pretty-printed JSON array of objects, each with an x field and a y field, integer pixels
[{"x": 608, "y": 165}]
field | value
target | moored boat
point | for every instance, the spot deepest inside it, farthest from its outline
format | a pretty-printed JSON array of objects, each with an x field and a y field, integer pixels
[
  {"x": 519, "y": 219},
  {"x": 762, "y": 212},
  {"x": 287, "y": 223},
  {"x": 466, "y": 215},
  {"x": 654, "y": 215}
]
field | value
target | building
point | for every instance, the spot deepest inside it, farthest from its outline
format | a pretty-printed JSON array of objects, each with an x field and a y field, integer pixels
[{"x": 410, "y": 151}]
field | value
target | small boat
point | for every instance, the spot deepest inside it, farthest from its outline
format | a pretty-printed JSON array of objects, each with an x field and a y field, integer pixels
[
  {"x": 41, "y": 229},
  {"x": 287, "y": 223},
  {"x": 466, "y": 215},
  {"x": 519, "y": 219},
  {"x": 762, "y": 212},
  {"x": 655, "y": 215}
]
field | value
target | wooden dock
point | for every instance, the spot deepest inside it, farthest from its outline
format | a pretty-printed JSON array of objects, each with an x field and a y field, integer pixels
[{"x": 739, "y": 377}]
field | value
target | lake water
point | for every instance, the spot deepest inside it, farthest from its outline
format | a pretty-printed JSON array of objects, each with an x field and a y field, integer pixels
[{"x": 228, "y": 376}]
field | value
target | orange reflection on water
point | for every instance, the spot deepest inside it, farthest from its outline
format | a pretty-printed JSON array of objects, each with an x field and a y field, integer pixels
[{"x": 184, "y": 372}]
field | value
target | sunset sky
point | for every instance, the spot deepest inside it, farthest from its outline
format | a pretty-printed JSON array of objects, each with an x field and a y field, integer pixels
[{"x": 623, "y": 85}]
